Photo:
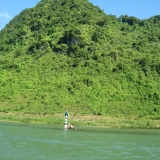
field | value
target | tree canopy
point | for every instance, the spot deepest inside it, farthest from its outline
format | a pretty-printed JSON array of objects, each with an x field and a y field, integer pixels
[{"x": 70, "y": 54}]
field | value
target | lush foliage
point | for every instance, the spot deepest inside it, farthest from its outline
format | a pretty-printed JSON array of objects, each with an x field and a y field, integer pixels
[{"x": 69, "y": 54}]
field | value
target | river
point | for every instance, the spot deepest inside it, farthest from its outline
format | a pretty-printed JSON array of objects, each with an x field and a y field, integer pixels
[{"x": 19, "y": 141}]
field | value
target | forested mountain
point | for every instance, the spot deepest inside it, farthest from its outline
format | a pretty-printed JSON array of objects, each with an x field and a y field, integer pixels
[{"x": 70, "y": 54}]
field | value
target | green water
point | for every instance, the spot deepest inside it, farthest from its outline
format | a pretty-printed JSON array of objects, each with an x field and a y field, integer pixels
[{"x": 44, "y": 142}]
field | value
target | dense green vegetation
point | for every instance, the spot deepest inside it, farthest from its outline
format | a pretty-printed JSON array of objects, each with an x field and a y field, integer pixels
[{"x": 70, "y": 54}]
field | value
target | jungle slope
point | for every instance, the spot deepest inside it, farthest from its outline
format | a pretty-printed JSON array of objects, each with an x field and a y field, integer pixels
[{"x": 70, "y": 55}]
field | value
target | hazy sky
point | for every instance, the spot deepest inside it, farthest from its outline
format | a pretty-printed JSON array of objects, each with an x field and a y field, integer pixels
[{"x": 139, "y": 8}]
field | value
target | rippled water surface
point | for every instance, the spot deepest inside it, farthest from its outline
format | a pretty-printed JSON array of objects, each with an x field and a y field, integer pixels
[{"x": 45, "y": 142}]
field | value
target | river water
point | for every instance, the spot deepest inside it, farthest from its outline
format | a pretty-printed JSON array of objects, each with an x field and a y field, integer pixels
[{"x": 19, "y": 141}]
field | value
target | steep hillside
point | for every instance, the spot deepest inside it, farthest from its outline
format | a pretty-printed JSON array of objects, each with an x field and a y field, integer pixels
[{"x": 69, "y": 54}]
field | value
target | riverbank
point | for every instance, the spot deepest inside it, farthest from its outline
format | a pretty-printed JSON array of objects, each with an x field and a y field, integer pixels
[{"x": 82, "y": 120}]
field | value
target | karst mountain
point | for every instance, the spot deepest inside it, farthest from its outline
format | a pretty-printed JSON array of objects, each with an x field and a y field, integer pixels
[{"x": 69, "y": 54}]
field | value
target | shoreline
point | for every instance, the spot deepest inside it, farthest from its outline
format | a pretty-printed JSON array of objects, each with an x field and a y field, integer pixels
[{"x": 79, "y": 120}]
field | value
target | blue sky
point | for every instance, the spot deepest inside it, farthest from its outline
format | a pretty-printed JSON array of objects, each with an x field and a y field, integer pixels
[{"x": 139, "y": 8}]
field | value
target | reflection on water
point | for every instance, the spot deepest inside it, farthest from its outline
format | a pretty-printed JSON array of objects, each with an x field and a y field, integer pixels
[{"x": 25, "y": 141}]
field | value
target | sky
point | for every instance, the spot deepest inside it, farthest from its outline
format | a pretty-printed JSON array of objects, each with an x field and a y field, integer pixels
[{"x": 141, "y": 9}]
